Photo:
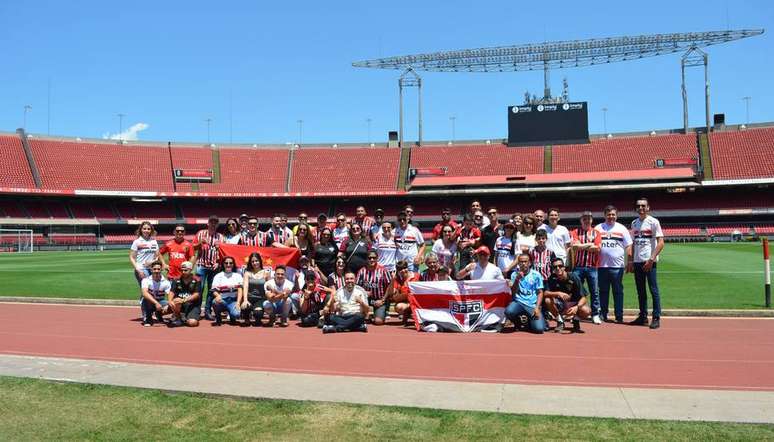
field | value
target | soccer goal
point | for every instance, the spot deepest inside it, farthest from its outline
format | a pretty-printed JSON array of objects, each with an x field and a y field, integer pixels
[{"x": 16, "y": 240}]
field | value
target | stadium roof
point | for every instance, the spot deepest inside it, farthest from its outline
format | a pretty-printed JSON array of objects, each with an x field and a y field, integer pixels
[{"x": 559, "y": 54}]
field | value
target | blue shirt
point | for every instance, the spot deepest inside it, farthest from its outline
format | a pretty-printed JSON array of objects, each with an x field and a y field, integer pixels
[{"x": 527, "y": 290}]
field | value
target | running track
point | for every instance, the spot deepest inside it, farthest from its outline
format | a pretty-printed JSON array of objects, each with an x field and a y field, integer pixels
[{"x": 732, "y": 354}]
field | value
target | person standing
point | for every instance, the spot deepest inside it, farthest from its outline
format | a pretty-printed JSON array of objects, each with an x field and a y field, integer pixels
[
  {"x": 446, "y": 220},
  {"x": 648, "y": 244},
  {"x": 468, "y": 240},
  {"x": 494, "y": 230},
  {"x": 377, "y": 225},
  {"x": 363, "y": 220},
  {"x": 558, "y": 236},
  {"x": 179, "y": 250},
  {"x": 206, "y": 244},
  {"x": 144, "y": 251},
  {"x": 585, "y": 248},
  {"x": 385, "y": 247},
  {"x": 445, "y": 248},
  {"x": 410, "y": 242},
  {"x": 615, "y": 247}
]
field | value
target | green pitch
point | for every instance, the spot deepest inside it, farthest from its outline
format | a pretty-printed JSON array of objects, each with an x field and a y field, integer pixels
[{"x": 694, "y": 275}]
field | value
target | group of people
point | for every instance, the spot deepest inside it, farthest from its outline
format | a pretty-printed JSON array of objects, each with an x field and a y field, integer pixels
[{"x": 353, "y": 270}]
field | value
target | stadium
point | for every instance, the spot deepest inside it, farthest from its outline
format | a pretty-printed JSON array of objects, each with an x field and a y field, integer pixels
[{"x": 71, "y": 207}]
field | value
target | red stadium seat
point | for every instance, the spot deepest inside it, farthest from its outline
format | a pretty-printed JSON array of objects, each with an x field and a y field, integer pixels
[
  {"x": 345, "y": 170},
  {"x": 479, "y": 159},
  {"x": 742, "y": 154},
  {"x": 16, "y": 170}
]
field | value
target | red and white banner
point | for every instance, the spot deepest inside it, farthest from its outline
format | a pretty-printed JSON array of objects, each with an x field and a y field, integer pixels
[{"x": 464, "y": 306}]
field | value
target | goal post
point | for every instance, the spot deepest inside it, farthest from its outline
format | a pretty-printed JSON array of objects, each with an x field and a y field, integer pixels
[{"x": 16, "y": 240}]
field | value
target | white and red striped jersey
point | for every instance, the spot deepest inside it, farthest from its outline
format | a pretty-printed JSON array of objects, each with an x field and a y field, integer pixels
[
  {"x": 586, "y": 258},
  {"x": 209, "y": 252},
  {"x": 645, "y": 234},
  {"x": 375, "y": 281},
  {"x": 614, "y": 239}
]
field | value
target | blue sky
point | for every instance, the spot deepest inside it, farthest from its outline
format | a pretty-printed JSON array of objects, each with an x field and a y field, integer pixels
[{"x": 255, "y": 68}]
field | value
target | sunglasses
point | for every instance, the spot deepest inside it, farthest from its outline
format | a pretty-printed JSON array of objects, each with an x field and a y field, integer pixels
[
  {"x": 478, "y": 217},
  {"x": 372, "y": 258},
  {"x": 253, "y": 224},
  {"x": 179, "y": 231}
]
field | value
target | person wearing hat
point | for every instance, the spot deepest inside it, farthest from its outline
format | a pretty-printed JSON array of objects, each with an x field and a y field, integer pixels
[
  {"x": 585, "y": 248},
  {"x": 243, "y": 218},
  {"x": 206, "y": 244},
  {"x": 481, "y": 268},
  {"x": 505, "y": 248},
  {"x": 376, "y": 228},
  {"x": 186, "y": 299}
]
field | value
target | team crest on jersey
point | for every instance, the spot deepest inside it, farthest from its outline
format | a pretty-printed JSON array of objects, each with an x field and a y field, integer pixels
[{"x": 466, "y": 312}]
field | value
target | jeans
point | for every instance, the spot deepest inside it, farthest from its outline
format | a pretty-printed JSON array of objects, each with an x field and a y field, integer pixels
[
  {"x": 589, "y": 275},
  {"x": 611, "y": 276},
  {"x": 515, "y": 309},
  {"x": 640, "y": 276},
  {"x": 146, "y": 272},
  {"x": 229, "y": 305},
  {"x": 148, "y": 308},
  {"x": 283, "y": 307},
  {"x": 205, "y": 276},
  {"x": 348, "y": 322}
]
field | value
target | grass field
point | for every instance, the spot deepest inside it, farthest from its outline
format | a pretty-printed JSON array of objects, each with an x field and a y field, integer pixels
[
  {"x": 42, "y": 410},
  {"x": 693, "y": 275}
]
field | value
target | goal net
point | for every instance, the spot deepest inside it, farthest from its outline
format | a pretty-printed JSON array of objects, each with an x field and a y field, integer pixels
[{"x": 16, "y": 240}]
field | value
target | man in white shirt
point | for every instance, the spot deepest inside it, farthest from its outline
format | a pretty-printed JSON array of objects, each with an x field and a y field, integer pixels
[
  {"x": 615, "y": 247},
  {"x": 278, "y": 292},
  {"x": 648, "y": 244},
  {"x": 410, "y": 242},
  {"x": 156, "y": 293},
  {"x": 558, "y": 236},
  {"x": 385, "y": 247},
  {"x": 348, "y": 307},
  {"x": 482, "y": 268}
]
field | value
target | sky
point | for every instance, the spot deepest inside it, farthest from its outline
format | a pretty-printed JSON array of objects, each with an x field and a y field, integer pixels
[{"x": 254, "y": 69}]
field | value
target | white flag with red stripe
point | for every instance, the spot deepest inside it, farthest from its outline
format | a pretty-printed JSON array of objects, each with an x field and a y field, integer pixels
[{"x": 464, "y": 306}]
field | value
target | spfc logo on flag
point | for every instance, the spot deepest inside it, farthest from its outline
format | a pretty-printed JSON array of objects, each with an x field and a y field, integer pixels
[{"x": 466, "y": 312}]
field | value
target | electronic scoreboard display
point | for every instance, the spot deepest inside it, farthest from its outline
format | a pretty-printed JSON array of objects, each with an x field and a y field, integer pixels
[{"x": 556, "y": 123}]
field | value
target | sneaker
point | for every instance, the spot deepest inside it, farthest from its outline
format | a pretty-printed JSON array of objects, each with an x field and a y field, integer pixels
[
  {"x": 283, "y": 322},
  {"x": 656, "y": 323},
  {"x": 321, "y": 322},
  {"x": 619, "y": 320},
  {"x": 147, "y": 322},
  {"x": 559, "y": 327},
  {"x": 430, "y": 328},
  {"x": 328, "y": 329},
  {"x": 596, "y": 319},
  {"x": 576, "y": 327},
  {"x": 363, "y": 328},
  {"x": 272, "y": 319},
  {"x": 641, "y": 320},
  {"x": 216, "y": 323}
]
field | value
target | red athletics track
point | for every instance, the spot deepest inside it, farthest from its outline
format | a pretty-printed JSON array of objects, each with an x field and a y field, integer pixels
[{"x": 685, "y": 353}]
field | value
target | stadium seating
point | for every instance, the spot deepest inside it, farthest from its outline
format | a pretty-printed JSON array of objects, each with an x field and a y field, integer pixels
[
  {"x": 672, "y": 231},
  {"x": 12, "y": 210},
  {"x": 16, "y": 170},
  {"x": 479, "y": 159},
  {"x": 251, "y": 170},
  {"x": 766, "y": 229},
  {"x": 742, "y": 154},
  {"x": 192, "y": 158},
  {"x": 101, "y": 166},
  {"x": 82, "y": 210},
  {"x": 727, "y": 229},
  {"x": 68, "y": 239},
  {"x": 622, "y": 153},
  {"x": 345, "y": 170}
]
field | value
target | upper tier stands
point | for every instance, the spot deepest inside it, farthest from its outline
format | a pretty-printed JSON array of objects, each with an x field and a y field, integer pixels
[
  {"x": 345, "y": 170},
  {"x": 251, "y": 170},
  {"x": 629, "y": 153},
  {"x": 101, "y": 166},
  {"x": 742, "y": 154},
  {"x": 191, "y": 158},
  {"x": 480, "y": 159},
  {"x": 16, "y": 170}
]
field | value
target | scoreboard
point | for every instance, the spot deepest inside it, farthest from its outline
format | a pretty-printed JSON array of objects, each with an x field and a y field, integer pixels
[{"x": 555, "y": 123}]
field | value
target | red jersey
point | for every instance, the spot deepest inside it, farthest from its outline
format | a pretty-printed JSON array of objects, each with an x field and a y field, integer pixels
[
  {"x": 179, "y": 252},
  {"x": 586, "y": 258},
  {"x": 402, "y": 287}
]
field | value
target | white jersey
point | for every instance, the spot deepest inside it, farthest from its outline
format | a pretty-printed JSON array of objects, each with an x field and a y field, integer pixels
[
  {"x": 340, "y": 234},
  {"x": 445, "y": 254},
  {"x": 387, "y": 251},
  {"x": 272, "y": 287},
  {"x": 227, "y": 283},
  {"x": 489, "y": 272},
  {"x": 525, "y": 241},
  {"x": 145, "y": 250},
  {"x": 232, "y": 239},
  {"x": 557, "y": 241},
  {"x": 504, "y": 251},
  {"x": 645, "y": 234},
  {"x": 349, "y": 302},
  {"x": 408, "y": 241},
  {"x": 157, "y": 289},
  {"x": 615, "y": 240}
]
